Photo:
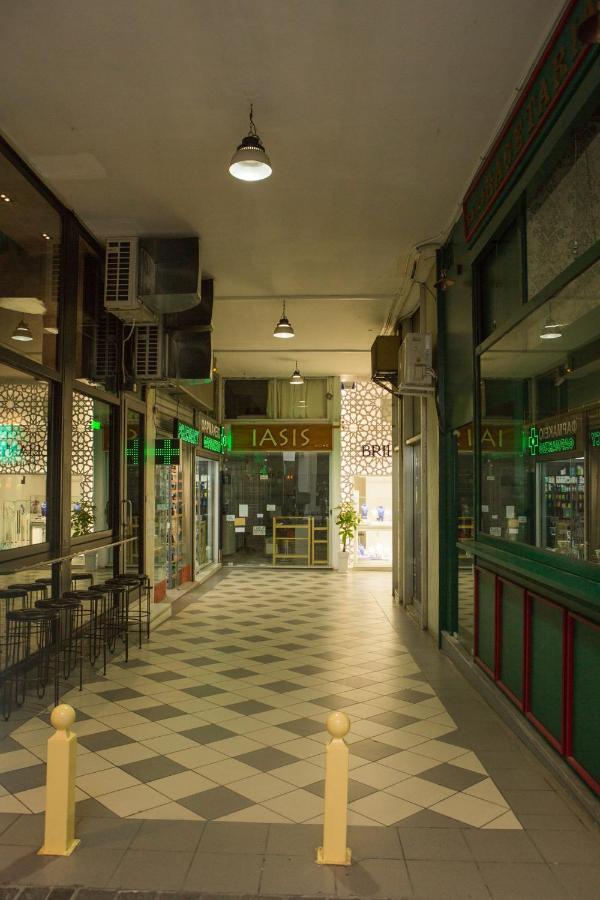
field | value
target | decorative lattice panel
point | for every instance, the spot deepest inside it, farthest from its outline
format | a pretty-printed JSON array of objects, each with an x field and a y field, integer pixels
[
  {"x": 366, "y": 422},
  {"x": 24, "y": 428},
  {"x": 82, "y": 454}
]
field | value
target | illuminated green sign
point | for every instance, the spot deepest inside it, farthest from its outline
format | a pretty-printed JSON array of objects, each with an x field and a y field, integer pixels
[
  {"x": 166, "y": 452},
  {"x": 95, "y": 425},
  {"x": 132, "y": 452},
  {"x": 217, "y": 444},
  {"x": 10, "y": 443},
  {"x": 187, "y": 433},
  {"x": 556, "y": 445},
  {"x": 595, "y": 438}
]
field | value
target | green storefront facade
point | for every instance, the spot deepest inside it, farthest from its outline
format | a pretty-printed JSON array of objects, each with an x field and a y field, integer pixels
[{"x": 519, "y": 360}]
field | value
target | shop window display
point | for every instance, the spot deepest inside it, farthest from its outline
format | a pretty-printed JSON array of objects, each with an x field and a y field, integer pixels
[
  {"x": 373, "y": 499},
  {"x": 90, "y": 466},
  {"x": 24, "y": 405},
  {"x": 540, "y": 399},
  {"x": 30, "y": 251}
]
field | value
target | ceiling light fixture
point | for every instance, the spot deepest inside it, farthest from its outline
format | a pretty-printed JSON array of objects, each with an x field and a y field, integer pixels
[
  {"x": 283, "y": 329},
  {"x": 45, "y": 236},
  {"x": 5, "y": 198},
  {"x": 551, "y": 330},
  {"x": 50, "y": 329},
  {"x": 589, "y": 30},
  {"x": 444, "y": 282},
  {"x": 296, "y": 377},
  {"x": 250, "y": 161},
  {"x": 22, "y": 332}
]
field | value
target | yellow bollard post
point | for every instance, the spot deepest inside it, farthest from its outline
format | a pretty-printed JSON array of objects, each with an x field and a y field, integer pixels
[
  {"x": 334, "y": 851},
  {"x": 59, "y": 833}
]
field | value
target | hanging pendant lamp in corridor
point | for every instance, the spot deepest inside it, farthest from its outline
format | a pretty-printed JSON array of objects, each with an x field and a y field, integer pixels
[
  {"x": 250, "y": 161},
  {"x": 296, "y": 377},
  {"x": 284, "y": 329}
]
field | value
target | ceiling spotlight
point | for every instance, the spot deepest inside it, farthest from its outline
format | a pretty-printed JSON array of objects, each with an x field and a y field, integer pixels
[
  {"x": 589, "y": 30},
  {"x": 45, "y": 236},
  {"x": 22, "y": 332},
  {"x": 250, "y": 161},
  {"x": 296, "y": 377},
  {"x": 552, "y": 329},
  {"x": 444, "y": 282},
  {"x": 283, "y": 329},
  {"x": 5, "y": 198}
]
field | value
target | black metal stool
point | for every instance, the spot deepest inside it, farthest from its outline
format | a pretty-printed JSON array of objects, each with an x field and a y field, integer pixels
[
  {"x": 30, "y": 652},
  {"x": 120, "y": 600},
  {"x": 98, "y": 620},
  {"x": 139, "y": 584},
  {"x": 45, "y": 581},
  {"x": 70, "y": 633},
  {"x": 10, "y": 598},
  {"x": 81, "y": 577},
  {"x": 35, "y": 590}
]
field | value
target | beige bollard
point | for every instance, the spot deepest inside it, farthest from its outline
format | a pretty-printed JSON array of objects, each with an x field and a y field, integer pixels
[
  {"x": 59, "y": 833},
  {"x": 334, "y": 851}
]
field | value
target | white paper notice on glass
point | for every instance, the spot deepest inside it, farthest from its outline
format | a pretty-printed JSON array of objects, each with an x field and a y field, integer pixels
[
  {"x": 495, "y": 532},
  {"x": 494, "y": 516},
  {"x": 289, "y": 456},
  {"x": 243, "y": 510},
  {"x": 230, "y": 518},
  {"x": 259, "y": 516},
  {"x": 522, "y": 519},
  {"x": 513, "y": 530},
  {"x": 271, "y": 507},
  {"x": 240, "y": 530},
  {"x": 259, "y": 529},
  {"x": 510, "y": 512},
  {"x": 485, "y": 508}
]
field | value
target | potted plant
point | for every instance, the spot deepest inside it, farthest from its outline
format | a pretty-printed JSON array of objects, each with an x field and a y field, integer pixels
[
  {"x": 347, "y": 521},
  {"x": 83, "y": 518}
]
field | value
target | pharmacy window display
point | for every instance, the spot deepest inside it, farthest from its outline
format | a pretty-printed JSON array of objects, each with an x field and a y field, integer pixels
[
  {"x": 24, "y": 403},
  {"x": 540, "y": 485}
]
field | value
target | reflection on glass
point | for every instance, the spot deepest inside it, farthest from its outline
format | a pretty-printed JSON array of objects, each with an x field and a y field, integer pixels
[
  {"x": 205, "y": 487},
  {"x": 30, "y": 239},
  {"x": 23, "y": 459},
  {"x": 465, "y": 531},
  {"x": 90, "y": 466},
  {"x": 134, "y": 455}
]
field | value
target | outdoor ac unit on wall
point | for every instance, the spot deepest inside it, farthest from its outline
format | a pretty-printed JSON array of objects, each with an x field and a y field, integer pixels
[
  {"x": 148, "y": 353},
  {"x": 415, "y": 373},
  {"x": 121, "y": 282}
]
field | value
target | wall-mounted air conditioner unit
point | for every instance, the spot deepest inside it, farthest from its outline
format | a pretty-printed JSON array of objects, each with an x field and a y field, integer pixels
[
  {"x": 415, "y": 373},
  {"x": 121, "y": 282},
  {"x": 149, "y": 352}
]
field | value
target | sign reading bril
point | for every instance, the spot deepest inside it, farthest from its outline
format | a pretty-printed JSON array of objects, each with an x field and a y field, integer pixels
[{"x": 561, "y": 59}]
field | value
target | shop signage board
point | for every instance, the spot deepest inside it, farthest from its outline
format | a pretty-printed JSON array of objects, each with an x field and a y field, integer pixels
[
  {"x": 186, "y": 433},
  {"x": 557, "y": 438},
  {"x": 494, "y": 438},
  {"x": 594, "y": 437},
  {"x": 213, "y": 436},
  {"x": 280, "y": 436},
  {"x": 561, "y": 60}
]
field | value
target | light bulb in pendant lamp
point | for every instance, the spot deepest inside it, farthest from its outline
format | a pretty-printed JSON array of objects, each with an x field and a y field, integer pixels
[
  {"x": 22, "y": 332},
  {"x": 250, "y": 161},
  {"x": 551, "y": 330},
  {"x": 296, "y": 378},
  {"x": 284, "y": 329}
]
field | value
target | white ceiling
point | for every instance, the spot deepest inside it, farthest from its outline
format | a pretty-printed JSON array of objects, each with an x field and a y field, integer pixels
[{"x": 374, "y": 114}]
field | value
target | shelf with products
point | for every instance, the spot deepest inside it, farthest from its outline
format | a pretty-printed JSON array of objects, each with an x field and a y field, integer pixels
[{"x": 563, "y": 506}]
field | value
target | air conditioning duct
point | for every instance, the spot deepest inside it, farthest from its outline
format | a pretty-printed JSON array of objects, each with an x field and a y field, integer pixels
[{"x": 384, "y": 358}]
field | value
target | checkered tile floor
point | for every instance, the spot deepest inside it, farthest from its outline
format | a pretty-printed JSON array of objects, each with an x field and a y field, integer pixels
[{"x": 221, "y": 717}]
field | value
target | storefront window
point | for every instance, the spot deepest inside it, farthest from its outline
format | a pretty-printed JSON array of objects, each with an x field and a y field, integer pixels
[
  {"x": 465, "y": 531},
  {"x": 501, "y": 287},
  {"x": 30, "y": 239},
  {"x": 540, "y": 398},
  {"x": 205, "y": 485},
  {"x": 23, "y": 459},
  {"x": 275, "y": 509},
  {"x": 275, "y": 399},
  {"x": 562, "y": 206},
  {"x": 90, "y": 466},
  {"x": 134, "y": 497}
]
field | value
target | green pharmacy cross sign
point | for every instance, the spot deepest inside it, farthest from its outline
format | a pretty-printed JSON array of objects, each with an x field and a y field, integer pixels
[
  {"x": 537, "y": 447},
  {"x": 533, "y": 441},
  {"x": 217, "y": 444},
  {"x": 132, "y": 452},
  {"x": 166, "y": 452},
  {"x": 595, "y": 438}
]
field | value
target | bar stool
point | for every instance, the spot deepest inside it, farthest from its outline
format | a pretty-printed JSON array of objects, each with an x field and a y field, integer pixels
[
  {"x": 98, "y": 620},
  {"x": 30, "y": 645},
  {"x": 10, "y": 598},
  {"x": 35, "y": 590},
  {"x": 120, "y": 600},
  {"x": 45, "y": 581},
  {"x": 141, "y": 614},
  {"x": 81, "y": 577},
  {"x": 70, "y": 633}
]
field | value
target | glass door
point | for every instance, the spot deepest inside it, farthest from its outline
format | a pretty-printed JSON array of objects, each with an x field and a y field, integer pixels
[
  {"x": 204, "y": 505},
  {"x": 133, "y": 503}
]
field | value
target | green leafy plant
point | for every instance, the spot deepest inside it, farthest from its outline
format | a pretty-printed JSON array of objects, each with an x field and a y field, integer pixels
[
  {"x": 83, "y": 518},
  {"x": 347, "y": 521}
]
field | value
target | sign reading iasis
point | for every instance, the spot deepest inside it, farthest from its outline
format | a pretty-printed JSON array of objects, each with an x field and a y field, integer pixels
[{"x": 278, "y": 436}]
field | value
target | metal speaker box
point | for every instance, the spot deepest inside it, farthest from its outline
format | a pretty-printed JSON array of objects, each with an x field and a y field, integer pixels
[{"x": 384, "y": 358}]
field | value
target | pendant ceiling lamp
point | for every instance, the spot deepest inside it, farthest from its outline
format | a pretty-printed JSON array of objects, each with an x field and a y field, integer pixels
[
  {"x": 283, "y": 329},
  {"x": 22, "y": 332},
  {"x": 296, "y": 377},
  {"x": 551, "y": 330},
  {"x": 250, "y": 161}
]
